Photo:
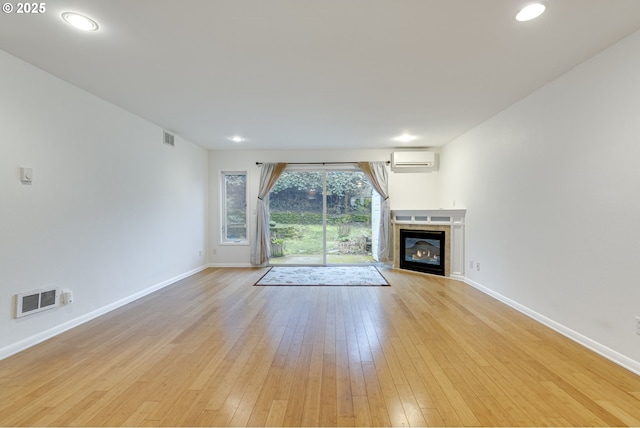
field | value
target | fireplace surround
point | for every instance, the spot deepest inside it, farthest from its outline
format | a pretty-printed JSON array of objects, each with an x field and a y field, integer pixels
[{"x": 448, "y": 221}]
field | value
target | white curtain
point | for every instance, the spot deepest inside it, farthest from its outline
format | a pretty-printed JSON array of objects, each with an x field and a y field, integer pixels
[
  {"x": 260, "y": 249},
  {"x": 377, "y": 174}
]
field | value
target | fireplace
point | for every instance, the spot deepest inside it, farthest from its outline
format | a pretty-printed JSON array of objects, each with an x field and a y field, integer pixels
[
  {"x": 448, "y": 221},
  {"x": 422, "y": 251}
]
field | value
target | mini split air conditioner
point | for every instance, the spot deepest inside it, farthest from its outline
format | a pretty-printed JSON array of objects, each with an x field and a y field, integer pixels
[{"x": 412, "y": 159}]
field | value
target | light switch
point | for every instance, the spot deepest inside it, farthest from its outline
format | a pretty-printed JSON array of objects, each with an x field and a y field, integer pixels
[{"x": 26, "y": 175}]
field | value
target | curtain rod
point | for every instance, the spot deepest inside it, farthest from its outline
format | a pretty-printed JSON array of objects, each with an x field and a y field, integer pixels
[{"x": 321, "y": 163}]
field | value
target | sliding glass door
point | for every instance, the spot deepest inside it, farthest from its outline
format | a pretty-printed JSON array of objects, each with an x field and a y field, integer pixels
[
  {"x": 348, "y": 200},
  {"x": 321, "y": 217},
  {"x": 297, "y": 222}
]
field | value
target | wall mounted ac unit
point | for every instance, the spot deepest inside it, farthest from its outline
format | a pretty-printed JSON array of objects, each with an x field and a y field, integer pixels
[{"x": 412, "y": 159}]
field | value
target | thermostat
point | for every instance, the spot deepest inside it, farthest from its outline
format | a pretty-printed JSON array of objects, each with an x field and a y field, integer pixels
[{"x": 26, "y": 175}]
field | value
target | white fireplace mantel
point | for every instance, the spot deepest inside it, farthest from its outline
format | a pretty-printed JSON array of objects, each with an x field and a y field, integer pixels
[{"x": 426, "y": 219}]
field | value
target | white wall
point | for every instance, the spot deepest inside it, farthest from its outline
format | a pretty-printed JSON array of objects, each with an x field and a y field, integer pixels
[
  {"x": 112, "y": 212},
  {"x": 408, "y": 190},
  {"x": 552, "y": 188}
]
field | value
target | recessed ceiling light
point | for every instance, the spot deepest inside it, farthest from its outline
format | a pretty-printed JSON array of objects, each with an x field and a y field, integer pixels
[
  {"x": 237, "y": 139},
  {"x": 531, "y": 11},
  {"x": 81, "y": 22},
  {"x": 405, "y": 138}
]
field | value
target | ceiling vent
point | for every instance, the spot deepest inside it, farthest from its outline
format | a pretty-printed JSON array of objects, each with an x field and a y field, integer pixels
[
  {"x": 168, "y": 138},
  {"x": 36, "y": 301}
]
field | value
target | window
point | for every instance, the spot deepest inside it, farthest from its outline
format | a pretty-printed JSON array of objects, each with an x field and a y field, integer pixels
[{"x": 233, "y": 197}]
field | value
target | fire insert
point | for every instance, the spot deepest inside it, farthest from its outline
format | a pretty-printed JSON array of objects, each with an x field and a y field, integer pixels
[{"x": 422, "y": 251}]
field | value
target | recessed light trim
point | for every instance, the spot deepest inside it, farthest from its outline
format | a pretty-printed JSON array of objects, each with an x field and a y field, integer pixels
[
  {"x": 405, "y": 138},
  {"x": 531, "y": 11},
  {"x": 80, "y": 21},
  {"x": 237, "y": 139}
]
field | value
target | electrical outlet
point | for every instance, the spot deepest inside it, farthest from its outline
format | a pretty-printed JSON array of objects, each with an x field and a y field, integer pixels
[
  {"x": 478, "y": 266},
  {"x": 215, "y": 251},
  {"x": 200, "y": 253},
  {"x": 638, "y": 325}
]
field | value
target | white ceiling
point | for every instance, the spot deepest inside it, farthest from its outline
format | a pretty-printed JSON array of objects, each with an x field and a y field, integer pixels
[{"x": 297, "y": 74}]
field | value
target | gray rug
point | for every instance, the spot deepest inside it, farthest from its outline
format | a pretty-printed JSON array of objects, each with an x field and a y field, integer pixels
[{"x": 323, "y": 275}]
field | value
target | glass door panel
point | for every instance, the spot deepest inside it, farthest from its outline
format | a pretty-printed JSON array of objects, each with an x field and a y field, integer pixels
[
  {"x": 297, "y": 230},
  {"x": 348, "y": 219}
]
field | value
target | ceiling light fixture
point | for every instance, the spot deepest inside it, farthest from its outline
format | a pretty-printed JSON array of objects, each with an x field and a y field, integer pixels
[
  {"x": 531, "y": 11},
  {"x": 405, "y": 138},
  {"x": 237, "y": 139},
  {"x": 81, "y": 22}
]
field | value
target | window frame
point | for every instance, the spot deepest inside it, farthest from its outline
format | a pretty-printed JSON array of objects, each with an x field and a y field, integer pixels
[{"x": 223, "y": 208}]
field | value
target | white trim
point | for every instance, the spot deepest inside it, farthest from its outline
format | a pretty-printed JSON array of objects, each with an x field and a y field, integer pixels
[
  {"x": 14, "y": 348},
  {"x": 232, "y": 265},
  {"x": 608, "y": 353}
]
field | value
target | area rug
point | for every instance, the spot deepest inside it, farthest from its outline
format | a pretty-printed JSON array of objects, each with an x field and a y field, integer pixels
[{"x": 322, "y": 275}]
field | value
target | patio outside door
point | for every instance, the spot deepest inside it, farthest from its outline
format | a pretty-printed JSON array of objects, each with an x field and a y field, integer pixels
[{"x": 321, "y": 217}]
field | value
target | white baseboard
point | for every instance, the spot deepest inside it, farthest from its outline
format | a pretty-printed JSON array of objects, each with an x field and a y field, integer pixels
[
  {"x": 608, "y": 353},
  {"x": 231, "y": 265},
  {"x": 14, "y": 348}
]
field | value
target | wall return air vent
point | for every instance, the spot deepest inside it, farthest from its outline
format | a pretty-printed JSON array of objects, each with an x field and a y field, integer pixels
[
  {"x": 36, "y": 301},
  {"x": 168, "y": 138}
]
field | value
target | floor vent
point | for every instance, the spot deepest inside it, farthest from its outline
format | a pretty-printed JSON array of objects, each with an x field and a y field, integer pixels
[
  {"x": 168, "y": 138},
  {"x": 36, "y": 301}
]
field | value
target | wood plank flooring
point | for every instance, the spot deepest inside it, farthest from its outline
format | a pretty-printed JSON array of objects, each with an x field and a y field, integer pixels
[{"x": 213, "y": 350}]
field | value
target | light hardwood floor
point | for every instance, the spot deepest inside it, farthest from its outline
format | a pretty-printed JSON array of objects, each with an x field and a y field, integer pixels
[{"x": 213, "y": 350}]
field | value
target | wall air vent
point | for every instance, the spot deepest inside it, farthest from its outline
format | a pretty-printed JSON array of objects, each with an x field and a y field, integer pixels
[
  {"x": 168, "y": 138},
  {"x": 36, "y": 301}
]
